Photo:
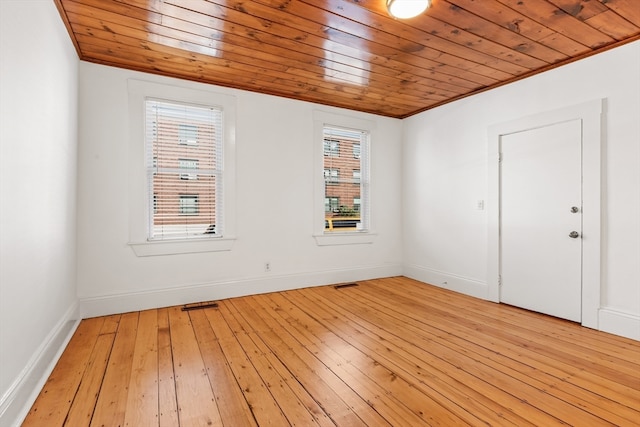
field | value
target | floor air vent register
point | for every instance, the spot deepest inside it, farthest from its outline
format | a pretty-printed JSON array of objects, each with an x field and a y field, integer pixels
[{"x": 345, "y": 285}]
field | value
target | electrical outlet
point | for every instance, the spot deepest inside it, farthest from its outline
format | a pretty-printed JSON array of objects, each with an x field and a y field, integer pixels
[{"x": 267, "y": 266}]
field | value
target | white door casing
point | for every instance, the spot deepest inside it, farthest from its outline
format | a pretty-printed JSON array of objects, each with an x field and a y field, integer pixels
[
  {"x": 590, "y": 114},
  {"x": 540, "y": 219}
]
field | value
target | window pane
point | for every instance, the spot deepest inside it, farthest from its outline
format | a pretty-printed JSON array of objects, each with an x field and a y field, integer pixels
[
  {"x": 345, "y": 179},
  {"x": 332, "y": 147},
  {"x": 188, "y": 204},
  {"x": 331, "y": 204},
  {"x": 187, "y": 134},
  {"x": 332, "y": 176},
  {"x": 184, "y": 152},
  {"x": 186, "y": 164}
]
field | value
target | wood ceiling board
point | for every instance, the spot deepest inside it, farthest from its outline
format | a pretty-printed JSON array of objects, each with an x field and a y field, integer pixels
[{"x": 348, "y": 53}]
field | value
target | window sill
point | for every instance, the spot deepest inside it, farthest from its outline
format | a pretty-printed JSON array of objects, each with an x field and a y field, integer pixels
[
  {"x": 355, "y": 238},
  {"x": 176, "y": 247}
]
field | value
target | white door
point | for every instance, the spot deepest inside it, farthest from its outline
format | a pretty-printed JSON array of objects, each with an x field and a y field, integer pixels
[{"x": 541, "y": 219}]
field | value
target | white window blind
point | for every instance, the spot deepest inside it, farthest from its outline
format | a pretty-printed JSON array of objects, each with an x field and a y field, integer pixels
[
  {"x": 346, "y": 179},
  {"x": 184, "y": 170}
]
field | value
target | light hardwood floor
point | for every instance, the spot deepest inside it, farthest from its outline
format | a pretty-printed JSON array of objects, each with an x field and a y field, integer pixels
[{"x": 388, "y": 352}]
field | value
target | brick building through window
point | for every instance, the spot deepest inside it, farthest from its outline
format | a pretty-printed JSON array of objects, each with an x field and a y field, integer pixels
[
  {"x": 184, "y": 168},
  {"x": 342, "y": 173}
]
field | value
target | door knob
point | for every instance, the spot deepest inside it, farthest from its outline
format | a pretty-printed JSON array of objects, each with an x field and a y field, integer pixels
[
  {"x": 575, "y": 209},
  {"x": 574, "y": 234}
]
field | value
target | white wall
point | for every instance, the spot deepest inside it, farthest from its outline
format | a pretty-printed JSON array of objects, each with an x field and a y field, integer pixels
[
  {"x": 274, "y": 204},
  {"x": 38, "y": 151},
  {"x": 445, "y": 174}
]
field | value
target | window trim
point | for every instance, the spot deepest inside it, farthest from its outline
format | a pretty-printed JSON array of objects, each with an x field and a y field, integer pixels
[
  {"x": 322, "y": 119},
  {"x": 140, "y": 90}
]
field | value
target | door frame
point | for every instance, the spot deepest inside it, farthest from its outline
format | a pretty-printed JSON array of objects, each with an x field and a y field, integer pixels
[{"x": 591, "y": 114}]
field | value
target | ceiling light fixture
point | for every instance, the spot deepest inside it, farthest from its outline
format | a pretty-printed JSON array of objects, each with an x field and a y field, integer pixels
[{"x": 405, "y": 9}]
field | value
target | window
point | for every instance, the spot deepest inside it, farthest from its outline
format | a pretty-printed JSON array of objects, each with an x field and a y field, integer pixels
[
  {"x": 188, "y": 166},
  {"x": 341, "y": 214},
  {"x": 188, "y": 204},
  {"x": 180, "y": 140},
  {"x": 187, "y": 134},
  {"x": 332, "y": 176},
  {"x": 332, "y": 147},
  {"x": 347, "y": 189},
  {"x": 331, "y": 204},
  {"x": 173, "y": 116},
  {"x": 356, "y": 204}
]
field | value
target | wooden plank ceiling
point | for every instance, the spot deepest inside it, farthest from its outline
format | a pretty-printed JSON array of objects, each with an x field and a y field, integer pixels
[{"x": 348, "y": 53}]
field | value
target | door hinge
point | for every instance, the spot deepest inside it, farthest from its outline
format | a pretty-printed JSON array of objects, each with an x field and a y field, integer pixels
[
  {"x": 499, "y": 157},
  {"x": 499, "y": 280}
]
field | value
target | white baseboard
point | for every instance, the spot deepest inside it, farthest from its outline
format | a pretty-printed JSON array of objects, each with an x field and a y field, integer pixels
[
  {"x": 135, "y": 301},
  {"x": 448, "y": 281},
  {"x": 619, "y": 323},
  {"x": 17, "y": 401}
]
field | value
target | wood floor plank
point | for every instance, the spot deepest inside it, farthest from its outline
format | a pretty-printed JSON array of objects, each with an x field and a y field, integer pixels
[
  {"x": 328, "y": 399},
  {"x": 111, "y": 324},
  {"x": 167, "y": 402},
  {"x": 387, "y": 352},
  {"x": 371, "y": 380},
  {"x": 142, "y": 399},
  {"x": 518, "y": 365},
  {"x": 263, "y": 406},
  {"x": 314, "y": 407},
  {"x": 81, "y": 410},
  {"x": 234, "y": 409},
  {"x": 55, "y": 399},
  {"x": 305, "y": 366},
  {"x": 469, "y": 398},
  {"x": 554, "y": 406},
  {"x": 196, "y": 402},
  {"x": 485, "y": 332},
  {"x": 295, "y": 411},
  {"x": 408, "y": 290},
  {"x": 548, "y": 331},
  {"x": 112, "y": 401}
]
